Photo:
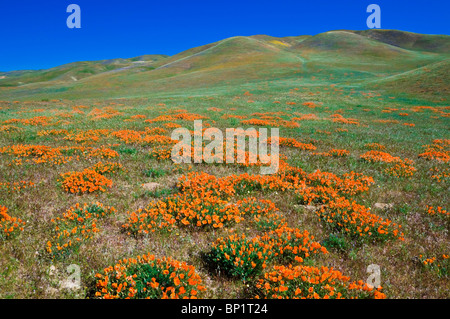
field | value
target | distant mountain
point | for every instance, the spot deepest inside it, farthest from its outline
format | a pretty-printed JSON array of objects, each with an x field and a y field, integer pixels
[
  {"x": 77, "y": 70},
  {"x": 341, "y": 57}
]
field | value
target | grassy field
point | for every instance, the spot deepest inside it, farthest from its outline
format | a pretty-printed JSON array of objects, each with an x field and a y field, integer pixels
[{"x": 343, "y": 103}]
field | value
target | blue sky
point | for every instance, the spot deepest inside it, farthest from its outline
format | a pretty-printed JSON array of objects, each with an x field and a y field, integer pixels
[{"x": 34, "y": 35}]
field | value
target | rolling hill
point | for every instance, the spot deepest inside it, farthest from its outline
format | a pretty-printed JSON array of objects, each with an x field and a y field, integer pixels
[
  {"x": 76, "y": 71},
  {"x": 340, "y": 57}
]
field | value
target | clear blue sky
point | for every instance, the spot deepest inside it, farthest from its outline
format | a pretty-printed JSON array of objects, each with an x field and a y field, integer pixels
[{"x": 34, "y": 35}]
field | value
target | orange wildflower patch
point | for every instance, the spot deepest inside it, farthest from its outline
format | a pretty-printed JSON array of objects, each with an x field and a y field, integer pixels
[
  {"x": 77, "y": 226},
  {"x": 161, "y": 152},
  {"x": 440, "y": 265},
  {"x": 311, "y": 105},
  {"x": 231, "y": 116},
  {"x": 357, "y": 222},
  {"x": 10, "y": 128},
  {"x": 35, "y": 154},
  {"x": 438, "y": 211},
  {"x": 35, "y": 121},
  {"x": 397, "y": 167},
  {"x": 375, "y": 146},
  {"x": 128, "y": 136},
  {"x": 304, "y": 117},
  {"x": 88, "y": 136},
  {"x": 440, "y": 174},
  {"x": 10, "y": 227},
  {"x": 16, "y": 186},
  {"x": 107, "y": 168},
  {"x": 146, "y": 277},
  {"x": 439, "y": 152},
  {"x": 102, "y": 152},
  {"x": 158, "y": 140},
  {"x": 259, "y": 122},
  {"x": 104, "y": 113},
  {"x": 182, "y": 210},
  {"x": 263, "y": 212},
  {"x": 182, "y": 115},
  {"x": 171, "y": 125},
  {"x": 338, "y": 118},
  {"x": 87, "y": 181},
  {"x": 240, "y": 257},
  {"x": 52, "y": 132},
  {"x": 245, "y": 258},
  {"x": 378, "y": 156},
  {"x": 304, "y": 282},
  {"x": 292, "y": 142},
  {"x": 158, "y": 130}
]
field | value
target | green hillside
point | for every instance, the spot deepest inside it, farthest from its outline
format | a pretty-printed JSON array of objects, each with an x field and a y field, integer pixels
[
  {"x": 75, "y": 71},
  {"x": 349, "y": 58},
  {"x": 431, "y": 80}
]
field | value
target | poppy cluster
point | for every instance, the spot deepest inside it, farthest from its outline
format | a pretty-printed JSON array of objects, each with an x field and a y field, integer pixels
[
  {"x": 39, "y": 154},
  {"x": 262, "y": 212},
  {"x": 35, "y": 121},
  {"x": 88, "y": 136},
  {"x": 438, "y": 211},
  {"x": 356, "y": 222},
  {"x": 306, "y": 282},
  {"x": 10, "y": 227},
  {"x": 292, "y": 142},
  {"x": 76, "y": 226},
  {"x": 192, "y": 209},
  {"x": 106, "y": 112},
  {"x": 438, "y": 151},
  {"x": 182, "y": 115},
  {"x": 245, "y": 258},
  {"x": 440, "y": 265},
  {"x": 394, "y": 165},
  {"x": 86, "y": 181},
  {"x": 16, "y": 186},
  {"x": 107, "y": 168},
  {"x": 148, "y": 277},
  {"x": 338, "y": 118},
  {"x": 440, "y": 174}
]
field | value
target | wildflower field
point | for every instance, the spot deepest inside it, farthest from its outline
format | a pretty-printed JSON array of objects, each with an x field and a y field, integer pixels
[
  {"x": 87, "y": 179},
  {"x": 355, "y": 187}
]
